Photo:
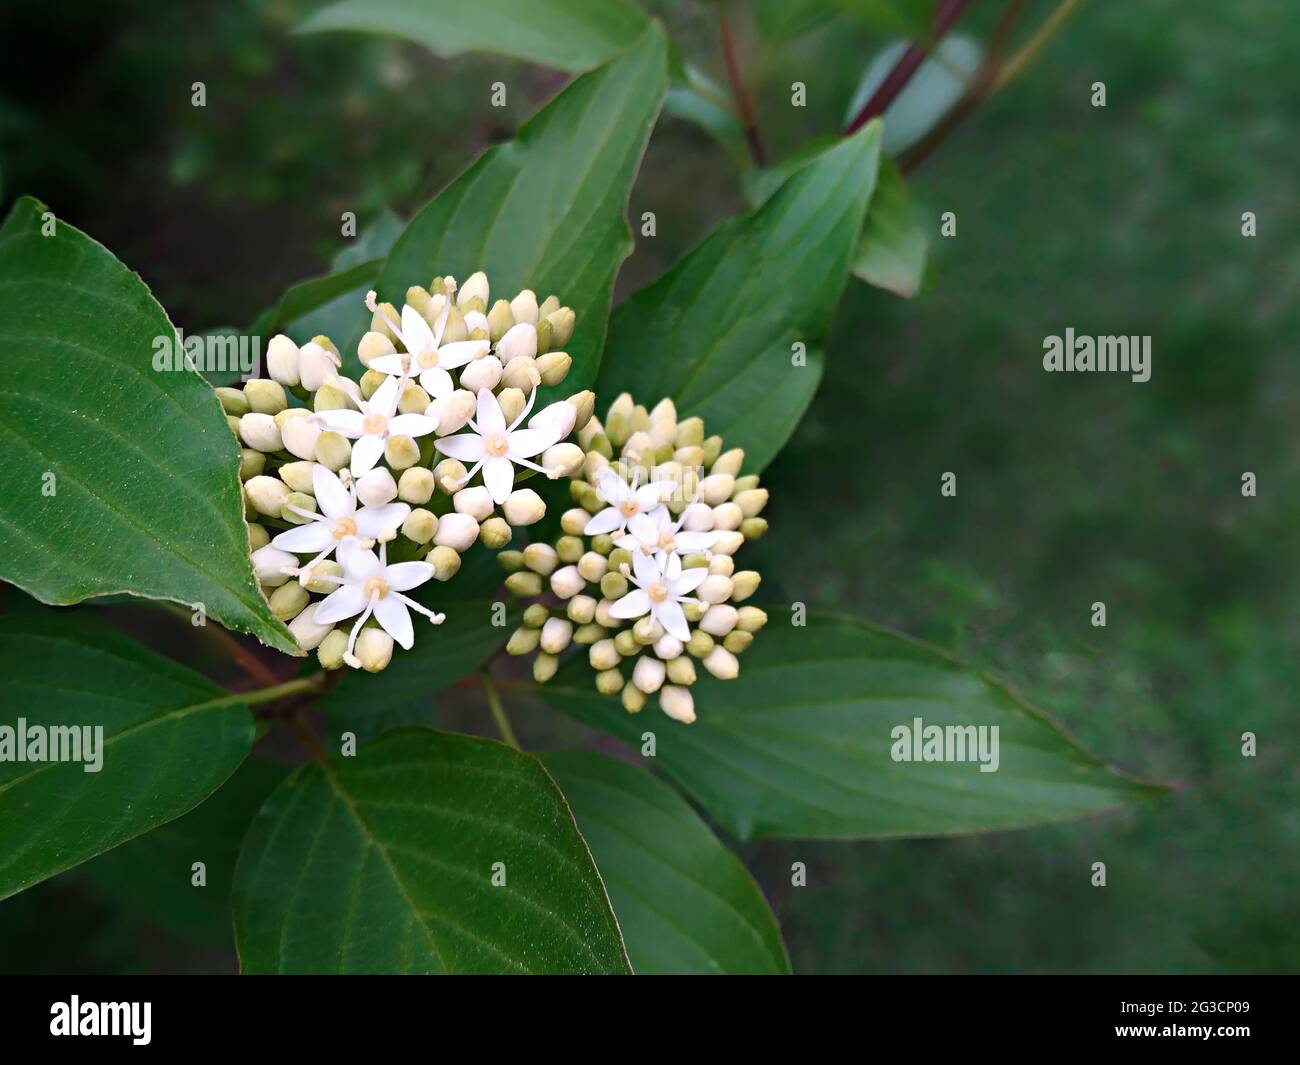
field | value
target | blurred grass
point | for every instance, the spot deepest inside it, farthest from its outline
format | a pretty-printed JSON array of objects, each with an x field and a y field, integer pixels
[{"x": 1071, "y": 489}]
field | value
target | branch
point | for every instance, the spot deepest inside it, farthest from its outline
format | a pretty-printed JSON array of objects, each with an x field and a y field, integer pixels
[
  {"x": 498, "y": 711},
  {"x": 744, "y": 105}
]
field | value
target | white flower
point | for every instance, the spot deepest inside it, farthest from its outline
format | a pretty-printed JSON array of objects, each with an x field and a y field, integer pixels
[
  {"x": 317, "y": 366},
  {"x": 370, "y": 586},
  {"x": 374, "y": 423},
  {"x": 655, "y": 533},
  {"x": 498, "y": 448},
  {"x": 660, "y": 593},
  {"x": 425, "y": 353},
  {"x": 338, "y": 521},
  {"x": 625, "y": 501}
]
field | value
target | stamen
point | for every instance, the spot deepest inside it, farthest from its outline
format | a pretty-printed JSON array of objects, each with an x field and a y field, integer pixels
[{"x": 432, "y": 615}]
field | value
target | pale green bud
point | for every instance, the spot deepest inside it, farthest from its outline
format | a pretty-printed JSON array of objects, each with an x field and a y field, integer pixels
[
  {"x": 544, "y": 667},
  {"x": 681, "y": 670},
  {"x": 543, "y": 328},
  {"x": 753, "y": 528},
  {"x": 541, "y": 558},
  {"x": 418, "y": 297},
  {"x": 445, "y": 562},
  {"x": 581, "y": 609},
  {"x": 603, "y": 655},
  {"x": 536, "y": 615},
  {"x": 647, "y": 631},
  {"x": 737, "y": 641},
  {"x": 257, "y": 536},
  {"x": 690, "y": 432},
  {"x": 500, "y": 320},
  {"x": 450, "y": 475},
  {"x": 727, "y": 516},
  {"x": 314, "y": 578},
  {"x": 613, "y": 586},
  {"x": 232, "y": 423},
  {"x": 512, "y": 403},
  {"x": 625, "y": 643},
  {"x": 548, "y": 306},
  {"x": 729, "y": 462},
  {"x": 297, "y": 475},
  {"x": 511, "y": 561},
  {"x": 232, "y": 401},
  {"x": 302, "y": 501},
  {"x": 602, "y": 544},
  {"x": 383, "y": 314},
  {"x": 563, "y": 460},
  {"x": 633, "y": 698},
  {"x": 521, "y": 373},
  {"x": 604, "y": 618},
  {"x": 618, "y": 558},
  {"x": 524, "y": 306},
  {"x": 414, "y": 400},
  {"x": 693, "y": 611},
  {"x": 251, "y": 463},
  {"x": 591, "y": 429},
  {"x": 556, "y": 634},
  {"x": 370, "y": 382},
  {"x": 716, "y": 488},
  {"x": 330, "y": 398},
  {"x": 373, "y": 345},
  {"x": 415, "y": 485},
  {"x": 583, "y": 404},
  {"x": 609, "y": 682},
  {"x": 723, "y": 565},
  {"x": 333, "y": 451},
  {"x": 700, "y": 644},
  {"x": 561, "y": 322},
  {"x": 374, "y": 650},
  {"x": 305, "y": 628},
  {"x": 677, "y": 703},
  {"x": 750, "y": 618},
  {"x": 266, "y": 495},
  {"x": 260, "y": 432},
  {"x": 524, "y": 584},
  {"x": 553, "y": 367},
  {"x": 712, "y": 448},
  {"x": 523, "y": 640},
  {"x": 474, "y": 288},
  {"x": 695, "y": 561},
  {"x": 401, "y": 452},
  {"x": 265, "y": 397},
  {"x": 330, "y": 651},
  {"x": 728, "y": 543},
  {"x": 569, "y": 548},
  {"x": 747, "y": 483},
  {"x": 523, "y": 506},
  {"x": 299, "y": 433},
  {"x": 744, "y": 584},
  {"x": 691, "y": 455},
  {"x": 588, "y": 634},
  {"x": 420, "y": 525},
  {"x": 574, "y": 521},
  {"x": 721, "y": 663},
  {"x": 495, "y": 533},
  {"x": 585, "y": 496},
  {"x": 288, "y": 600},
  {"x": 715, "y": 589}
]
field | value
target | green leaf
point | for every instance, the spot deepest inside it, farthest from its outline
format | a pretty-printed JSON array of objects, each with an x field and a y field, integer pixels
[
  {"x": 384, "y": 863},
  {"x": 685, "y": 903},
  {"x": 90, "y": 504},
  {"x": 695, "y": 97},
  {"x": 800, "y": 744},
  {"x": 716, "y": 332},
  {"x": 573, "y": 35},
  {"x": 894, "y": 246},
  {"x": 405, "y": 692},
  {"x": 170, "y": 737},
  {"x": 151, "y": 877},
  {"x": 546, "y": 210},
  {"x": 909, "y": 16}
]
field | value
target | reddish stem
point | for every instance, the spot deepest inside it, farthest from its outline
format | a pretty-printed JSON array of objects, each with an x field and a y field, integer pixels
[{"x": 748, "y": 118}]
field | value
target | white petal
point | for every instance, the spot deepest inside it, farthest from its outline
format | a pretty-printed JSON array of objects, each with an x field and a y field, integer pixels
[
  {"x": 416, "y": 334},
  {"x": 384, "y": 399},
  {"x": 604, "y": 521},
  {"x": 395, "y": 364},
  {"x": 499, "y": 476},
  {"x": 395, "y": 619},
  {"x": 403, "y": 576},
  {"x": 645, "y": 527},
  {"x": 632, "y": 605},
  {"x": 689, "y": 580},
  {"x": 556, "y": 420},
  {"x": 334, "y": 500},
  {"x": 525, "y": 443},
  {"x": 310, "y": 538},
  {"x": 489, "y": 417},
  {"x": 461, "y": 352},
  {"x": 373, "y": 522},
  {"x": 347, "y": 602},
  {"x": 359, "y": 563},
  {"x": 344, "y": 422},
  {"x": 648, "y": 496},
  {"x": 629, "y": 543},
  {"x": 366, "y": 452},
  {"x": 412, "y": 425},
  {"x": 646, "y": 569},
  {"x": 468, "y": 447},
  {"x": 671, "y": 617},
  {"x": 437, "y": 382},
  {"x": 691, "y": 542}
]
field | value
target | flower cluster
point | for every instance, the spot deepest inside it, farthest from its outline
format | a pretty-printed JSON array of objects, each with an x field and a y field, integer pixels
[
  {"x": 363, "y": 490},
  {"x": 643, "y": 575}
]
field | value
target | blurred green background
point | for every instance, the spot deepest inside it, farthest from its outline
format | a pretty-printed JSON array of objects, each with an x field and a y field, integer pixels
[{"x": 1071, "y": 489}]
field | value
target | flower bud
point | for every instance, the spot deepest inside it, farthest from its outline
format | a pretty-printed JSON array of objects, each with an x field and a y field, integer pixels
[
  {"x": 500, "y": 320},
  {"x": 648, "y": 674},
  {"x": 266, "y": 495},
  {"x": 712, "y": 446},
  {"x": 316, "y": 365},
  {"x": 333, "y": 451},
  {"x": 646, "y": 631},
  {"x": 700, "y": 644},
  {"x": 750, "y": 618},
  {"x": 332, "y": 648},
  {"x": 521, "y": 372},
  {"x": 257, "y": 536},
  {"x": 727, "y": 516},
  {"x": 376, "y": 488},
  {"x": 690, "y": 432},
  {"x": 315, "y": 577},
  {"x": 719, "y": 619},
  {"x": 328, "y": 397},
  {"x": 524, "y": 584},
  {"x": 567, "y": 582},
  {"x": 304, "y": 628},
  {"x": 524, "y": 306},
  {"x": 511, "y": 561},
  {"x": 744, "y": 584},
  {"x": 373, "y": 345},
  {"x": 541, "y": 558},
  {"x": 300, "y": 436},
  {"x": 563, "y": 460},
  {"x": 445, "y": 562},
  {"x": 561, "y": 322},
  {"x": 751, "y": 502},
  {"x": 591, "y": 428},
  {"x": 723, "y": 565},
  {"x": 288, "y": 601},
  {"x": 728, "y": 543},
  {"x": 716, "y": 488},
  {"x": 523, "y": 506},
  {"x": 574, "y": 521},
  {"x": 265, "y": 397},
  {"x": 677, "y": 703},
  {"x": 544, "y": 667},
  {"x": 753, "y": 528},
  {"x": 602, "y": 655},
  {"x": 589, "y": 633},
  {"x": 581, "y": 609},
  {"x": 693, "y": 610},
  {"x": 457, "y": 531},
  {"x": 452, "y": 411},
  {"x": 681, "y": 670},
  {"x": 420, "y": 525},
  {"x": 715, "y": 589},
  {"x": 633, "y": 698},
  {"x": 604, "y": 618},
  {"x": 609, "y": 682},
  {"x": 415, "y": 485},
  {"x": 475, "y": 501},
  {"x": 251, "y": 463},
  {"x": 455, "y": 330},
  {"x": 374, "y": 650},
  {"x": 626, "y": 644},
  {"x": 721, "y": 663},
  {"x": 475, "y": 287},
  {"x": 523, "y": 640},
  {"x": 450, "y": 475},
  {"x": 668, "y": 647},
  {"x": 300, "y": 500},
  {"x": 613, "y": 586},
  {"x": 512, "y": 403},
  {"x": 536, "y": 615},
  {"x": 639, "y": 448},
  {"x": 383, "y": 314},
  {"x": 282, "y": 360},
  {"x": 269, "y": 565},
  {"x": 553, "y": 367},
  {"x": 414, "y": 400},
  {"x": 737, "y": 641},
  {"x": 298, "y": 475},
  {"x": 481, "y": 373},
  {"x": 370, "y": 382},
  {"x": 232, "y": 401},
  {"x": 259, "y": 431},
  {"x": 556, "y": 634},
  {"x": 495, "y": 533},
  {"x": 548, "y": 306},
  {"x": 519, "y": 342}
]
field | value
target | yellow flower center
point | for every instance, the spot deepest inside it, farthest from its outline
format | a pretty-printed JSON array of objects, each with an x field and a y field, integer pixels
[
  {"x": 657, "y": 592},
  {"x": 344, "y": 527},
  {"x": 428, "y": 360},
  {"x": 374, "y": 424},
  {"x": 629, "y": 507},
  {"x": 667, "y": 542},
  {"x": 376, "y": 586},
  {"x": 497, "y": 444}
]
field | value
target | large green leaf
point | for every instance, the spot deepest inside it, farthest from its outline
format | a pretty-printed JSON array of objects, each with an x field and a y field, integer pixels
[
  {"x": 573, "y": 35},
  {"x": 685, "y": 903},
  {"x": 404, "y": 693},
  {"x": 117, "y": 477},
  {"x": 384, "y": 862},
  {"x": 894, "y": 245},
  {"x": 546, "y": 210},
  {"x": 717, "y": 332},
  {"x": 800, "y": 744},
  {"x": 170, "y": 737}
]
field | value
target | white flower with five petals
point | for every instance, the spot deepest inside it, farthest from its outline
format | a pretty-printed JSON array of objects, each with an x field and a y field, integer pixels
[
  {"x": 660, "y": 592},
  {"x": 370, "y": 586},
  {"x": 426, "y": 355},
  {"x": 338, "y": 521},
  {"x": 370, "y": 427},
  {"x": 497, "y": 448},
  {"x": 625, "y": 501},
  {"x": 654, "y": 532}
]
